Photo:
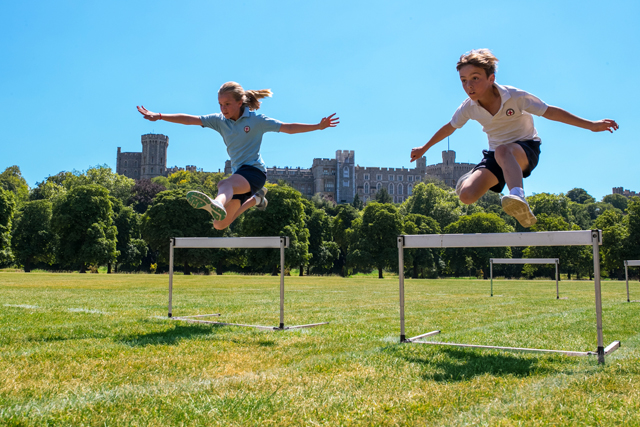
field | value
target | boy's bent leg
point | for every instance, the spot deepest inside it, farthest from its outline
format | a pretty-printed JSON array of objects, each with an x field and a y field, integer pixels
[
  {"x": 512, "y": 160},
  {"x": 476, "y": 185}
]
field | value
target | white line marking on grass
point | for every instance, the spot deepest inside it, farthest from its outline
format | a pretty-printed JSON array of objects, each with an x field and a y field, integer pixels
[{"x": 21, "y": 306}]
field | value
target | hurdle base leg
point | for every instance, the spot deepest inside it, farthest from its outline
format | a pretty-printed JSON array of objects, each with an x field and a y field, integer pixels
[
  {"x": 281, "y": 327},
  {"x": 600, "y": 352}
]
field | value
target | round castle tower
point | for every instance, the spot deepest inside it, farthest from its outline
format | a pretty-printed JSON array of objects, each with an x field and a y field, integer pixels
[{"x": 154, "y": 155}]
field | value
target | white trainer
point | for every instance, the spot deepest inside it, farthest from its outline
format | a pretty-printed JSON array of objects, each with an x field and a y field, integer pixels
[
  {"x": 261, "y": 200},
  {"x": 201, "y": 201},
  {"x": 518, "y": 208}
]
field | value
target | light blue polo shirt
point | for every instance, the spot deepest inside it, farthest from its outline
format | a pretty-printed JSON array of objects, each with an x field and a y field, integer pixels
[{"x": 243, "y": 137}]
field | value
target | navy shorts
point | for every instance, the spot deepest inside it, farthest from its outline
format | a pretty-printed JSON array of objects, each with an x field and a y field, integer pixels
[
  {"x": 256, "y": 179},
  {"x": 531, "y": 149}
]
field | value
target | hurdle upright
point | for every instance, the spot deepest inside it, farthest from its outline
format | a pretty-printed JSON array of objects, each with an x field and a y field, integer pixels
[
  {"x": 276, "y": 242},
  {"x": 525, "y": 261},
  {"x": 544, "y": 238},
  {"x": 627, "y": 264}
]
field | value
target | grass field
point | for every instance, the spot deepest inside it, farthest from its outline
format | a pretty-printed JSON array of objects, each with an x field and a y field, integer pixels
[{"x": 97, "y": 349}]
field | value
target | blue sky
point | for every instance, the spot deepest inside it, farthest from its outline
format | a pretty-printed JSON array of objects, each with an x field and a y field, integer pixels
[{"x": 73, "y": 72}]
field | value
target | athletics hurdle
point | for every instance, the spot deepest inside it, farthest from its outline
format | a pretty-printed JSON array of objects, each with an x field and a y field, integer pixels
[
  {"x": 525, "y": 261},
  {"x": 232, "y": 242},
  {"x": 627, "y": 264},
  {"x": 544, "y": 238}
]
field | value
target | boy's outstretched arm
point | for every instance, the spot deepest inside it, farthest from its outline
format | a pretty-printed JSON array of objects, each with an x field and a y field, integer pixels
[
  {"x": 444, "y": 132},
  {"x": 563, "y": 116},
  {"x": 183, "y": 119},
  {"x": 326, "y": 122}
]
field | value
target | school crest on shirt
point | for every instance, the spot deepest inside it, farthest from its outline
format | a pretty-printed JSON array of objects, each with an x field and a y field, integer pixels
[
  {"x": 510, "y": 112},
  {"x": 247, "y": 129}
]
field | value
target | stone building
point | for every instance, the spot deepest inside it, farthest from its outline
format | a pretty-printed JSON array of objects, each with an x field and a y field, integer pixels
[
  {"x": 624, "y": 192},
  {"x": 340, "y": 179},
  {"x": 149, "y": 163}
]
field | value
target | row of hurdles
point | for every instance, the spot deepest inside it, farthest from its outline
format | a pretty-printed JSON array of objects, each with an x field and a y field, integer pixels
[{"x": 546, "y": 238}]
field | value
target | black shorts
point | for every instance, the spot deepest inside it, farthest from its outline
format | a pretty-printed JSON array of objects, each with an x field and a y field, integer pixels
[
  {"x": 531, "y": 149},
  {"x": 256, "y": 179}
]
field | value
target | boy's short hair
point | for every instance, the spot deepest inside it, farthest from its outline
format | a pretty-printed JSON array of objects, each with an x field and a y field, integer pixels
[{"x": 482, "y": 58}]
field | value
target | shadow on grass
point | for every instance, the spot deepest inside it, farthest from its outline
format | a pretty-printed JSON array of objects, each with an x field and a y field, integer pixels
[
  {"x": 171, "y": 336},
  {"x": 448, "y": 365}
]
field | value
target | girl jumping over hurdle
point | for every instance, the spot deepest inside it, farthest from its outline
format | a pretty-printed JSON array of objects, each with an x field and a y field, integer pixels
[{"x": 241, "y": 130}]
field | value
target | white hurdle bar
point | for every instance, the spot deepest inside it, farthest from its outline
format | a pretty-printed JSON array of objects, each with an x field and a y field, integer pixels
[
  {"x": 627, "y": 264},
  {"x": 544, "y": 238},
  {"x": 525, "y": 261},
  {"x": 232, "y": 242}
]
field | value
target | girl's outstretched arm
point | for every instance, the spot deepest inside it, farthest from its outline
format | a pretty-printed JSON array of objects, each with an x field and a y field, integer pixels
[
  {"x": 326, "y": 122},
  {"x": 183, "y": 119},
  {"x": 559, "y": 115}
]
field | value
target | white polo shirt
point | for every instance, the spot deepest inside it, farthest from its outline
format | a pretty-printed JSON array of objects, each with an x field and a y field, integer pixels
[{"x": 513, "y": 122}]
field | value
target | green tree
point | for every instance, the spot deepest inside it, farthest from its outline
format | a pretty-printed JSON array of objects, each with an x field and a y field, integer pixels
[
  {"x": 568, "y": 255},
  {"x": 633, "y": 218},
  {"x": 143, "y": 193},
  {"x": 82, "y": 219},
  {"x": 383, "y": 196},
  {"x": 357, "y": 203},
  {"x": 472, "y": 260},
  {"x": 170, "y": 216},
  {"x": 551, "y": 204},
  {"x": 618, "y": 201},
  {"x": 11, "y": 180},
  {"x": 119, "y": 186},
  {"x": 341, "y": 228},
  {"x": 580, "y": 196},
  {"x": 615, "y": 239},
  {"x": 375, "y": 237},
  {"x": 130, "y": 245},
  {"x": 324, "y": 251},
  {"x": 7, "y": 210},
  {"x": 435, "y": 202},
  {"x": 33, "y": 238},
  {"x": 284, "y": 217},
  {"x": 421, "y": 259},
  {"x": 47, "y": 190}
]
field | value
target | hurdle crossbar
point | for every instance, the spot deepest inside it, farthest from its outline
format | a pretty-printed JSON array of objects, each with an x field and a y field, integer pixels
[
  {"x": 525, "y": 261},
  {"x": 545, "y": 238},
  {"x": 627, "y": 264},
  {"x": 277, "y": 242}
]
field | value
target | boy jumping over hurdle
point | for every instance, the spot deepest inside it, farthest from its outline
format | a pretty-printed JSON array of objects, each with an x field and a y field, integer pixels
[{"x": 505, "y": 114}]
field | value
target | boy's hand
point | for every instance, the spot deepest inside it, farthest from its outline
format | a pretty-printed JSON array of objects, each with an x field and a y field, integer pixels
[
  {"x": 417, "y": 152},
  {"x": 602, "y": 125},
  {"x": 148, "y": 114},
  {"x": 329, "y": 122}
]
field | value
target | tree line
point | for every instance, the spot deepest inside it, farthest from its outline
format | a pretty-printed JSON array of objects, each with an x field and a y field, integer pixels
[{"x": 79, "y": 221}]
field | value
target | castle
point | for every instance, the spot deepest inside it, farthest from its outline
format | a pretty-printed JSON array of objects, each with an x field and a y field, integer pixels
[{"x": 338, "y": 179}]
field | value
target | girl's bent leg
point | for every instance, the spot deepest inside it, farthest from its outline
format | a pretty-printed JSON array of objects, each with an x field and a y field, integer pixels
[
  {"x": 234, "y": 210},
  {"x": 474, "y": 187},
  {"x": 235, "y": 184}
]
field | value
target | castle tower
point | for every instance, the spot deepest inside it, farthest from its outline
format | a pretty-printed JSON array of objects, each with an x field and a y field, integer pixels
[
  {"x": 154, "y": 155},
  {"x": 345, "y": 176}
]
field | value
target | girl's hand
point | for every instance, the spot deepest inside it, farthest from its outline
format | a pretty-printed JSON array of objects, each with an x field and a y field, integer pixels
[
  {"x": 149, "y": 115},
  {"x": 602, "y": 125},
  {"x": 329, "y": 122}
]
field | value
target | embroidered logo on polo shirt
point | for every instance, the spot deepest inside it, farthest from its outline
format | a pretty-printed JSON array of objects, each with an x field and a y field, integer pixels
[
  {"x": 247, "y": 129},
  {"x": 510, "y": 112}
]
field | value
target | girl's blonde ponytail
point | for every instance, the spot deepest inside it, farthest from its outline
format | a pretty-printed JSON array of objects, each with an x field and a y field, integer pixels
[{"x": 250, "y": 98}]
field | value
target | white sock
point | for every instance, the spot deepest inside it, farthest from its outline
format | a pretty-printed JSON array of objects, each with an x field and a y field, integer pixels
[{"x": 517, "y": 191}]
